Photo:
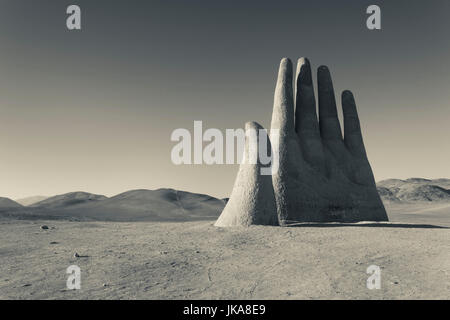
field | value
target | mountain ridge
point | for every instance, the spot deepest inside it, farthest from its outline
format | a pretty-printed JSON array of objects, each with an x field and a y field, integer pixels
[
  {"x": 67, "y": 199},
  {"x": 163, "y": 204},
  {"x": 414, "y": 190},
  {"x": 7, "y": 203},
  {"x": 28, "y": 201},
  {"x": 167, "y": 204}
]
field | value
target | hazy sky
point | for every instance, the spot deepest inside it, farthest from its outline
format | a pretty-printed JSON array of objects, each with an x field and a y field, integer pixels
[{"x": 93, "y": 110}]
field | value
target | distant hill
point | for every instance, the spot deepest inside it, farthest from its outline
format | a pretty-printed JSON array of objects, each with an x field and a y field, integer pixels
[
  {"x": 443, "y": 183},
  {"x": 389, "y": 183},
  {"x": 387, "y": 195},
  {"x": 6, "y": 203},
  {"x": 28, "y": 201},
  {"x": 134, "y": 205},
  {"x": 423, "y": 193},
  {"x": 68, "y": 199},
  {"x": 414, "y": 189},
  {"x": 160, "y": 205}
]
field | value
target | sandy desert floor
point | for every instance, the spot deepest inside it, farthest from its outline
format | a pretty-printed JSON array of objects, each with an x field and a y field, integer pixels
[{"x": 195, "y": 260}]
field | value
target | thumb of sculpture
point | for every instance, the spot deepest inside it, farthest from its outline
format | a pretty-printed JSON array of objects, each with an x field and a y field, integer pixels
[{"x": 252, "y": 201}]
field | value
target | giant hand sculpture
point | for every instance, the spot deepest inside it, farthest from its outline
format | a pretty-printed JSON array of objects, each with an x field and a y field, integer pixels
[{"x": 322, "y": 177}]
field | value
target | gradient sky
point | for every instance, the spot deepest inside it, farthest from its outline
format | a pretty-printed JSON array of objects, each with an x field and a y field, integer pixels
[{"x": 93, "y": 110}]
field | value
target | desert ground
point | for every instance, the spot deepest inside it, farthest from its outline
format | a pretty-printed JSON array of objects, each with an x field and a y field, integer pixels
[{"x": 195, "y": 260}]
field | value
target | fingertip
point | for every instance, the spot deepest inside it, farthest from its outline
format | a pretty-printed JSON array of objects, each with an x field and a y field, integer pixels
[
  {"x": 285, "y": 72},
  {"x": 252, "y": 125},
  {"x": 323, "y": 75},
  {"x": 347, "y": 95},
  {"x": 303, "y": 61},
  {"x": 323, "y": 68},
  {"x": 348, "y": 103},
  {"x": 304, "y": 71},
  {"x": 285, "y": 63}
]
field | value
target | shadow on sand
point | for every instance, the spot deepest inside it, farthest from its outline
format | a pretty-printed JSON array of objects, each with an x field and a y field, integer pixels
[{"x": 370, "y": 225}]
